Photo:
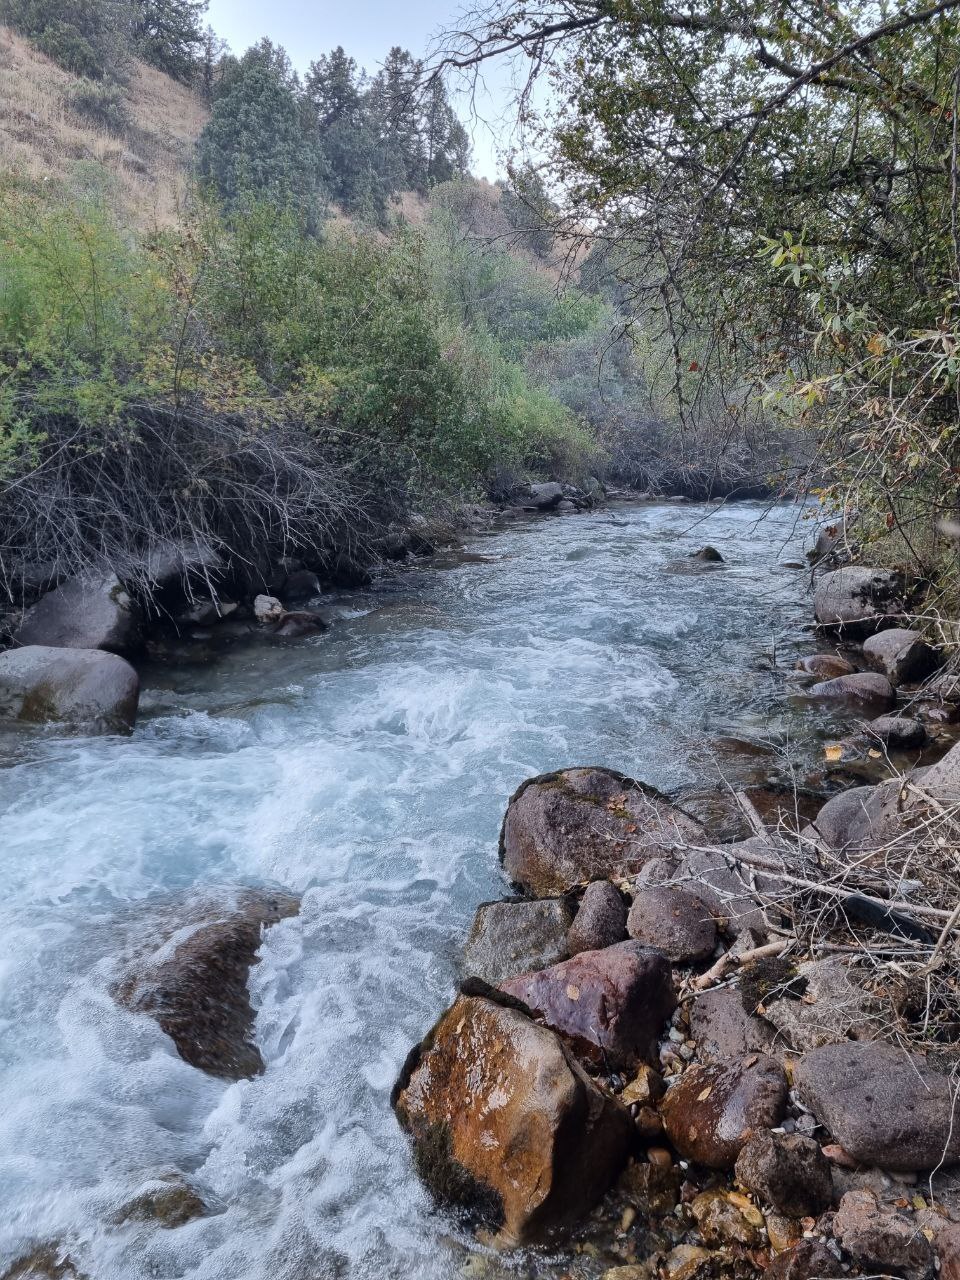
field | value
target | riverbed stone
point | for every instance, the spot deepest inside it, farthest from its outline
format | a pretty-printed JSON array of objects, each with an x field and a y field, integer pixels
[
  {"x": 167, "y": 1200},
  {"x": 722, "y": 1028},
  {"x": 896, "y": 733},
  {"x": 707, "y": 555},
  {"x": 508, "y": 938},
  {"x": 857, "y": 600},
  {"x": 46, "y": 1262},
  {"x": 863, "y": 688},
  {"x": 194, "y": 980},
  {"x": 787, "y": 1171},
  {"x": 566, "y": 828},
  {"x": 903, "y": 656},
  {"x": 806, "y": 1260},
  {"x": 825, "y": 666},
  {"x": 299, "y": 623},
  {"x": 506, "y": 1124},
  {"x": 85, "y": 690},
  {"x": 84, "y": 613},
  {"x": 726, "y": 1218},
  {"x": 878, "y": 1237},
  {"x": 546, "y": 496},
  {"x": 268, "y": 609},
  {"x": 601, "y": 919},
  {"x": 847, "y": 817},
  {"x": 834, "y": 1006},
  {"x": 609, "y": 1005},
  {"x": 675, "y": 921},
  {"x": 714, "y": 1109},
  {"x": 881, "y": 1105}
]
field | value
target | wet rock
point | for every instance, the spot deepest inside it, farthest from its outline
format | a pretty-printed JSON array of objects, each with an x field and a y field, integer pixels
[
  {"x": 645, "y": 1089},
  {"x": 86, "y": 690},
  {"x": 48, "y": 1262},
  {"x": 725, "y": 1218},
  {"x": 707, "y": 555},
  {"x": 713, "y": 1110},
  {"x": 901, "y": 655},
  {"x": 883, "y": 1106},
  {"x": 946, "y": 1242},
  {"x": 788, "y": 1171},
  {"x": 300, "y": 584},
  {"x": 808, "y": 1260},
  {"x": 562, "y": 829},
  {"x": 896, "y": 733},
  {"x": 690, "y": 1262},
  {"x": 506, "y": 1125},
  {"x": 609, "y": 1005},
  {"x": 169, "y": 1201},
  {"x": 782, "y": 1232},
  {"x": 267, "y": 609},
  {"x": 83, "y": 613},
  {"x": 835, "y": 1006},
  {"x": 508, "y": 938},
  {"x": 864, "y": 688},
  {"x": 879, "y": 1238},
  {"x": 723, "y": 1029},
  {"x": 653, "y": 1189},
  {"x": 601, "y": 920},
  {"x": 825, "y": 666},
  {"x": 299, "y": 624},
  {"x": 675, "y": 921},
  {"x": 857, "y": 600},
  {"x": 194, "y": 984},
  {"x": 546, "y": 496}
]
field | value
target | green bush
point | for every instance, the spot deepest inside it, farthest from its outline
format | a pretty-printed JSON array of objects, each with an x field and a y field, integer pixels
[{"x": 102, "y": 102}]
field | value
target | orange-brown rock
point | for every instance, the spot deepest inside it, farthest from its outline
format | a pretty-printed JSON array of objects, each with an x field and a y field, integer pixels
[
  {"x": 713, "y": 1110},
  {"x": 563, "y": 829},
  {"x": 506, "y": 1124}
]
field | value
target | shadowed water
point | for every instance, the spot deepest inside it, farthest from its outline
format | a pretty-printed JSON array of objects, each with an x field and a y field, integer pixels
[{"x": 369, "y": 770}]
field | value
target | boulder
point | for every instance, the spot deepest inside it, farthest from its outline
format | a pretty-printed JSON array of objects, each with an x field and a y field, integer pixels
[
  {"x": 722, "y": 1028},
  {"x": 712, "y": 1111},
  {"x": 168, "y": 1200},
  {"x": 787, "y": 1171},
  {"x": 940, "y": 780},
  {"x": 508, "y": 938},
  {"x": 879, "y": 1238},
  {"x": 857, "y": 600},
  {"x": 863, "y": 688},
  {"x": 825, "y": 666},
  {"x": 47, "y": 1262},
  {"x": 298, "y": 624},
  {"x": 846, "y": 818},
  {"x": 546, "y": 496},
  {"x": 883, "y": 1106},
  {"x": 83, "y": 613},
  {"x": 834, "y": 1006},
  {"x": 896, "y": 733},
  {"x": 194, "y": 982},
  {"x": 301, "y": 584},
  {"x": 506, "y": 1124},
  {"x": 601, "y": 920},
  {"x": 267, "y": 609},
  {"x": 807, "y": 1260},
  {"x": 707, "y": 555},
  {"x": 85, "y": 690},
  {"x": 609, "y": 1005},
  {"x": 675, "y": 921},
  {"x": 903, "y": 656},
  {"x": 563, "y": 829}
]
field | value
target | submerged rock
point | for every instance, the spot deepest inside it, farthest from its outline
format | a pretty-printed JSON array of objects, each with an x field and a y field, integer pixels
[
  {"x": 712, "y": 1111},
  {"x": 86, "y": 690},
  {"x": 168, "y": 1200},
  {"x": 866, "y": 688},
  {"x": 565, "y": 828},
  {"x": 47, "y": 1262},
  {"x": 610, "y": 1005},
  {"x": 901, "y": 655},
  {"x": 83, "y": 613},
  {"x": 506, "y": 1124},
  {"x": 825, "y": 666},
  {"x": 601, "y": 920},
  {"x": 857, "y": 600},
  {"x": 194, "y": 984},
  {"x": 508, "y": 938},
  {"x": 675, "y": 921},
  {"x": 707, "y": 555},
  {"x": 883, "y": 1106},
  {"x": 298, "y": 624}
]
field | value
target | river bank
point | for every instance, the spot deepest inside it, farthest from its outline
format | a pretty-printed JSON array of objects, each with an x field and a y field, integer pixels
[{"x": 367, "y": 771}]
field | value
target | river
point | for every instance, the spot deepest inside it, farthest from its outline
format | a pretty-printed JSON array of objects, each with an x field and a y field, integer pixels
[{"x": 369, "y": 770}]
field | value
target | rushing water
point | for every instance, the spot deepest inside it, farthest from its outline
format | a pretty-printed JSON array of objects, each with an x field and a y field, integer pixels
[{"x": 369, "y": 770}]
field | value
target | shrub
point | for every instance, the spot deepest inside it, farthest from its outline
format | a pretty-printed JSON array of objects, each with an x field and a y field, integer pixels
[{"x": 101, "y": 102}]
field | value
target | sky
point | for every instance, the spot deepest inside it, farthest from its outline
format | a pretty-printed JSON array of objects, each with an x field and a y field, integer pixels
[{"x": 367, "y": 29}]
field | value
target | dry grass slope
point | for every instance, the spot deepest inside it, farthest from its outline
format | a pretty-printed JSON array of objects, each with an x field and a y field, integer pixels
[{"x": 42, "y": 138}]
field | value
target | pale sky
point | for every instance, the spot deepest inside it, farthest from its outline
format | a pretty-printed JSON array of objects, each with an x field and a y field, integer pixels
[{"x": 367, "y": 29}]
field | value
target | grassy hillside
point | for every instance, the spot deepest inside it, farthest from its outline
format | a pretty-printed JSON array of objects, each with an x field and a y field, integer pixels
[{"x": 45, "y": 133}]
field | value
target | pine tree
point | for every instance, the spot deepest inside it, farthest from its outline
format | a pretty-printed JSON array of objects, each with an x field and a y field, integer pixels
[{"x": 169, "y": 35}]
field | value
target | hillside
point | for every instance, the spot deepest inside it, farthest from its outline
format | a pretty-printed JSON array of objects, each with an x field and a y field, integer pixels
[{"x": 44, "y": 135}]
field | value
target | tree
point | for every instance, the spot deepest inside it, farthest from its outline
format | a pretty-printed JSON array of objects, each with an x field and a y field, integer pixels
[
  {"x": 357, "y": 176},
  {"x": 257, "y": 142},
  {"x": 87, "y": 37},
  {"x": 395, "y": 107},
  {"x": 446, "y": 141},
  {"x": 169, "y": 35}
]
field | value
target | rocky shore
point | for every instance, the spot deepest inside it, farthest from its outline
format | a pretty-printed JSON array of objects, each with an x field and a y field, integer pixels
[{"x": 688, "y": 1059}]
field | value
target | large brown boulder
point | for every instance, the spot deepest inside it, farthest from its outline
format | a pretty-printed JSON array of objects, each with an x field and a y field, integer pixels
[
  {"x": 712, "y": 1111},
  {"x": 85, "y": 690},
  {"x": 601, "y": 919},
  {"x": 883, "y": 1106},
  {"x": 609, "y": 1005},
  {"x": 506, "y": 1124},
  {"x": 563, "y": 829},
  {"x": 676, "y": 921},
  {"x": 194, "y": 980},
  {"x": 863, "y": 688},
  {"x": 84, "y": 613},
  {"x": 857, "y": 601}
]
